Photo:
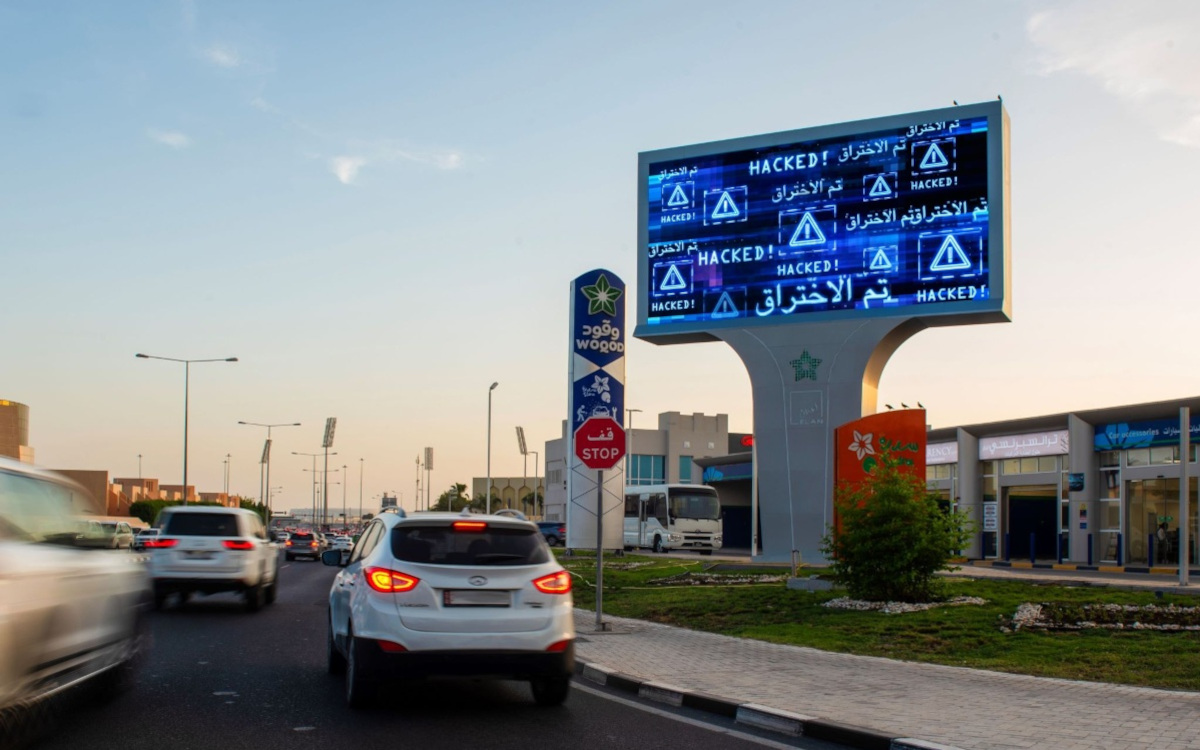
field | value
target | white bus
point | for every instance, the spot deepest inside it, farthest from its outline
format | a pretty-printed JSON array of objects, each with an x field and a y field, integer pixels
[{"x": 673, "y": 516}]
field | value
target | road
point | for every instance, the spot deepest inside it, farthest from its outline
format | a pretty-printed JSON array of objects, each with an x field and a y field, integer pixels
[{"x": 219, "y": 677}]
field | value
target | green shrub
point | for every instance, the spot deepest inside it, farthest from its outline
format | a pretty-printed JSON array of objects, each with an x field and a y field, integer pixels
[{"x": 894, "y": 537}]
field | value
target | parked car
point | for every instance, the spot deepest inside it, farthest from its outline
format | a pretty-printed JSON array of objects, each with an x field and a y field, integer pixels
[
  {"x": 206, "y": 550},
  {"x": 139, "y": 541},
  {"x": 302, "y": 544},
  {"x": 68, "y": 614},
  {"x": 118, "y": 533},
  {"x": 451, "y": 594},
  {"x": 554, "y": 531}
]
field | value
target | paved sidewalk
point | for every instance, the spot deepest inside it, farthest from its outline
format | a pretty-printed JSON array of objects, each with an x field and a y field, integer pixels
[{"x": 962, "y": 708}]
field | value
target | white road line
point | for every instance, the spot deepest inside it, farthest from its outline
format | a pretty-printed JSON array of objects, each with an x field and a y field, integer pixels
[{"x": 577, "y": 685}]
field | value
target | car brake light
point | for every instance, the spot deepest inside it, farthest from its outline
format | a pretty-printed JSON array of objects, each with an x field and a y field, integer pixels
[
  {"x": 389, "y": 581},
  {"x": 313, "y": 543},
  {"x": 288, "y": 543},
  {"x": 161, "y": 543},
  {"x": 555, "y": 583},
  {"x": 559, "y": 647},
  {"x": 237, "y": 544},
  {"x": 470, "y": 525},
  {"x": 391, "y": 647}
]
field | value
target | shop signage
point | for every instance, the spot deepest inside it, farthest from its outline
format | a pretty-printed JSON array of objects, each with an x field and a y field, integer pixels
[
  {"x": 1031, "y": 444},
  {"x": 1124, "y": 435},
  {"x": 991, "y": 517},
  {"x": 941, "y": 453}
]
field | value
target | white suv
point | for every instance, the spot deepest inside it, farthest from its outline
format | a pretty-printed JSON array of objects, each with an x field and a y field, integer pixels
[
  {"x": 451, "y": 594},
  {"x": 67, "y": 613},
  {"x": 207, "y": 549}
]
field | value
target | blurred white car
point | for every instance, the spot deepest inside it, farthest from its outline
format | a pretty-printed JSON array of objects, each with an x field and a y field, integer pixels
[
  {"x": 68, "y": 613},
  {"x": 342, "y": 543}
]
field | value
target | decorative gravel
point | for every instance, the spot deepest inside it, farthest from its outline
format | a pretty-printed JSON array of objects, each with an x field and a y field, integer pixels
[
  {"x": 1070, "y": 616},
  {"x": 895, "y": 608},
  {"x": 709, "y": 579}
]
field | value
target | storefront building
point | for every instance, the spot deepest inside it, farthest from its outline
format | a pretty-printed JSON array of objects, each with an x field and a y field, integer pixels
[{"x": 1090, "y": 487}]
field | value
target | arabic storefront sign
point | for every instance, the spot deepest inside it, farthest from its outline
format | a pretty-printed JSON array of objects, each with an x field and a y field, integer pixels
[
  {"x": 1030, "y": 444},
  {"x": 1124, "y": 435},
  {"x": 991, "y": 517},
  {"x": 941, "y": 453}
]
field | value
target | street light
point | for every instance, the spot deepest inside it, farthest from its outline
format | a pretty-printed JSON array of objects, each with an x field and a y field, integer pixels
[
  {"x": 489, "y": 448},
  {"x": 360, "y": 476},
  {"x": 226, "y": 462},
  {"x": 629, "y": 441},
  {"x": 187, "y": 368},
  {"x": 324, "y": 493},
  {"x": 345, "y": 481},
  {"x": 267, "y": 451},
  {"x": 314, "y": 470},
  {"x": 536, "y": 456}
]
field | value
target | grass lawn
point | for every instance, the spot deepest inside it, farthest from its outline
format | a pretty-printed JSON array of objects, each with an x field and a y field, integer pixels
[{"x": 978, "y": 636}]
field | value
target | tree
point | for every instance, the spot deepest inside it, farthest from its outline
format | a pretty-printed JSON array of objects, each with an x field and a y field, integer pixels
[
  {"x": 894, "y": 536},
  {"x": 257, "y": 507},
  {"x": 453, "y": 499}
]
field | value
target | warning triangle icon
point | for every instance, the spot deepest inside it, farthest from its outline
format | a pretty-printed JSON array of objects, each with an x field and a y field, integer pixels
[
  {"x": 934, "y": 158},
  {"x": 880, "y": 188},
  {"x": 726, "y": 207},
  {"x": 881, "y": 261},
  {"x": 808, "y": 232},
  {"x": 673, "y": 281},
  {"x": 725, "y": 307},
  {"x": 678, "y": 198},
  {"x": 950, "y": 257}
]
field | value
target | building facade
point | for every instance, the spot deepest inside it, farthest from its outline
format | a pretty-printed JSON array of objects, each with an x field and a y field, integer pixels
[
  {"x": 14, "y": 431},
  {"x": 513, "y": 492},
  {"x": 667, "y": 453}
]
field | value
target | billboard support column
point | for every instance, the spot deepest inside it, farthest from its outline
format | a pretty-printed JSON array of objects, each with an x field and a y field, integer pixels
[{"x": 806, "y": 380}]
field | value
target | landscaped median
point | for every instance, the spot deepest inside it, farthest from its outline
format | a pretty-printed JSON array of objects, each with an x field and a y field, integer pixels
[{"x": 1075, "y": 632}]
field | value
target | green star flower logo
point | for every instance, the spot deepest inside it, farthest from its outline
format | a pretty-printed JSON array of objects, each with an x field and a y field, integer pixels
[
  {"x": 602, "y": 297},
  {"x": 806, "y": 366}
]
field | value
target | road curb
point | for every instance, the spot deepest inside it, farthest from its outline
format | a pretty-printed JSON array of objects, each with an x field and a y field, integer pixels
[{"x": 752, "y": 714}]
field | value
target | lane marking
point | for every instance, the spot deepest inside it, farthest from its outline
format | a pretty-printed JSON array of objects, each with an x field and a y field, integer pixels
[{"x": 577, "y": 685}]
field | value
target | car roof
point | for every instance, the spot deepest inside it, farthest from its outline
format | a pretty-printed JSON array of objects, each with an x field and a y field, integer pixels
[{"x": 206, "y": 509}]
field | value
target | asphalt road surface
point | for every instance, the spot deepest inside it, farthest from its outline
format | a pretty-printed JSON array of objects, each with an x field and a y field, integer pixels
[{"x": 219, "y": 677}]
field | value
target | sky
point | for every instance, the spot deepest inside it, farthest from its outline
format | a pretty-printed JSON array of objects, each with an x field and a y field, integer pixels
[{"x": 378, "y": 207}]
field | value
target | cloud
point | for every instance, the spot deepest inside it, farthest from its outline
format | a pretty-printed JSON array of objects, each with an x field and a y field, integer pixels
[
  {"x": 441, "y": 159},
  {"x": 346, "y": 167},
  {"x": 172, "y": 138},
  {"x": 222, "y": 55},
  {"x": 1145, "y": 54}
]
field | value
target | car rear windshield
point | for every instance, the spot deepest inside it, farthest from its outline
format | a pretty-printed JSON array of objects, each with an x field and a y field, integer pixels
[
  {"x": 202, "y": 524},
  {"x": 442, "y": 545},
  {"x": 301, "y": 537}
]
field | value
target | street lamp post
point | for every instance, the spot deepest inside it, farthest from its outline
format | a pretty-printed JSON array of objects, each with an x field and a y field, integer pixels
[
  {"x": 314, "y": 471},
  {"x": 629, "y": 440},
  {"x": 322, "y": 504},
  {"x": 489, "y": 448},
  {"x": 187, "y": 369},
  {"x": 267, "y": 481},
  {"x": 227, "y": 460},
  {"x": 536, "y": 477},
  {"x": 345, "y": 481},
  {"x": 360, "y": 476}
]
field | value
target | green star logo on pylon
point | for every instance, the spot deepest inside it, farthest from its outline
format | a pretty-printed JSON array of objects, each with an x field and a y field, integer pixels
[
  {"x": 602, "y": 297},
  {"x": 806, "y": 366}
]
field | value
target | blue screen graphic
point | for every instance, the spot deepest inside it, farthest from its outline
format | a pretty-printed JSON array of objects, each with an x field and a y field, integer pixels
[{"x": 891, "y": 219}]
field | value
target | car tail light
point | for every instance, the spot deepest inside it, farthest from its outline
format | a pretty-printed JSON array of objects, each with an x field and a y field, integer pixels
[
  {"x": 161, "y": 543},
  {"x": 237, "y": 544},
  {"x": 555, "y": 583},
  {"x": 391, "y": 647},
  {"x": 313, "y": 543},
  {"x": 288, "y": 543},
  {"x": 389, "y": 581},
  {"x": 470, "y": 525},
  {"x": 559, "y": 647}
]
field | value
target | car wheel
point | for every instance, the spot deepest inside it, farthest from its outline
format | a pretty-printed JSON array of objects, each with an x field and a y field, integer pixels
[
  {"x": 550, "y": 691},
  {"x": 121, "y": 678},
  {"x": 552, "y": 540},
  {"x": 334, "y": 659},
  {"x": 359, "y": 687},
  {"x": 658, "y": 545},
  {"x": 273, "y": 590},
  {"x": 160, "y": 598},
  {"x": 183, "y": 599},
  {"x": 254, "y": 598}
]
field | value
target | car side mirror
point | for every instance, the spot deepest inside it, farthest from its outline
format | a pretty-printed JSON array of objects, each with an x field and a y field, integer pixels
[{"x": 333, "y": 557}]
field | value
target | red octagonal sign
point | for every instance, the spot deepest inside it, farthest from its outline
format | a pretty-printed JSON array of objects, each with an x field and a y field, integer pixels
[{"x": 600, "y": 443}]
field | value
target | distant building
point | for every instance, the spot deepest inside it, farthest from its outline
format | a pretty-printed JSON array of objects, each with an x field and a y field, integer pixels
[
  {"x": 14, "y": 431},
  {"x": 512, "y": 492}
]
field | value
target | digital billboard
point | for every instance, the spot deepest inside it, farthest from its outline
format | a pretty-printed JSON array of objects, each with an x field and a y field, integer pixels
[{"x": 901, "y": 215}]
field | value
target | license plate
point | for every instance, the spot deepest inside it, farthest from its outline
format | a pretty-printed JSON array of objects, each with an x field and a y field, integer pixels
[
  {"x": 469, "y": 598},
  {"x": 199, "y": 555}
]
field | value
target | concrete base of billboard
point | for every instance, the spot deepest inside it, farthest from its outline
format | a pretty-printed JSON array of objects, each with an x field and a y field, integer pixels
[
  {"x": 809, "y": 584},
  {"x": 807, "y": 380}
]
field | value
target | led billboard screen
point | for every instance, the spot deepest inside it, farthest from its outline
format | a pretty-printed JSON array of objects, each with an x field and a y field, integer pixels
[{"x": 897, "y": 216}]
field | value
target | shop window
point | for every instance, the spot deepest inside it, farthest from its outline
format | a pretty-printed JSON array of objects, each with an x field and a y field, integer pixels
[
  {"x": 987, "y": 468},
  {"x": 1011, "y": 466},
  {"x": 1110, "y": 459},
  {"x": 989, "y": 489},
  {"x": 1110, "y": 484},
  {"x": 937, "y": 471},
  {"x": 1029, "y": 466},
  {"x": 1137, "y": 457},
  {"x": 1047, "y": 463},
  {"x": 1164, "y": 454},
  {"x": 1110, "y": 514}
]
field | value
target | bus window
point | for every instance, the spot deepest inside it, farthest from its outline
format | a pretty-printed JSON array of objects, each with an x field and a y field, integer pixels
[
  {"x": 695, "y": 505},
  {"x": 658, "y": 502},
  {"x": 631, "y": 506}
]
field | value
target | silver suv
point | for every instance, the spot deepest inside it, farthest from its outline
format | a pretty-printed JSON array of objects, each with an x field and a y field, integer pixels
[
  {"x": 206, "y": 550},
  {"x": 68, "y": 614}
]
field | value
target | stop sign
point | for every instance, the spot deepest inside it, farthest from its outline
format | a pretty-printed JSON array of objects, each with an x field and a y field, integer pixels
[{"x": 600, "y": 443}]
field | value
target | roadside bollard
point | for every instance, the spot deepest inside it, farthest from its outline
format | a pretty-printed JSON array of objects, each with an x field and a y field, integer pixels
[
  {"x": 1032, "y": 547},
  {"x": 1150, "y": 553},
  {"x": 1058, "y": 548},
  {"x": 1120, "y": 550},
  {"x": 1007, "y": 547},
  {"x": 1089, "y": 550}
]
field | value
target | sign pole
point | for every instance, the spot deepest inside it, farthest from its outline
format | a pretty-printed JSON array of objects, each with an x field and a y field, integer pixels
[
  {"x": 599, "y": 550},
  {"x": 1184, "y": 546}
]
